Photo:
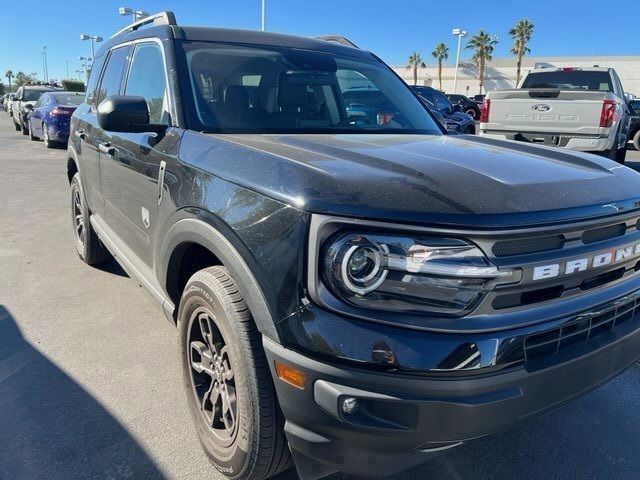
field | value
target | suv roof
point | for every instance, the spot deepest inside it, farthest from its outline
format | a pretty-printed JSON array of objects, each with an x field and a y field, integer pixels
[{"x": 163, "y": 25}]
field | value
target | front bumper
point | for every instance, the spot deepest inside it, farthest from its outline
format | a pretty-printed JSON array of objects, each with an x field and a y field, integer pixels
[{"x": 407, "y": 418}]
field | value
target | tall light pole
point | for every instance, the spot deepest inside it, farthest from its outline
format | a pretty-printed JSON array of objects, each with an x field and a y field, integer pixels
[
  {"x": 44, "y": 64},
  {"x": 459, "y": 33},
  {"x": 264, "y": 15},
  {"x": 66, "y": 64},
  {"x": 135, "y": 14},
  {"x": 93, "y": 38}
]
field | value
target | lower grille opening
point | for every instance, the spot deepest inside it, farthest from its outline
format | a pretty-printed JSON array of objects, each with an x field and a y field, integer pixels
[
  {"x": 602, "y": 279},
  {"x": 527, "y": 298},
  {"x": 584, "y": 329}
]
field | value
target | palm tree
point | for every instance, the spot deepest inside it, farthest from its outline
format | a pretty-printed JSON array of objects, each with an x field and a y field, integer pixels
[
  {"x": 483, "y": 44},
  {"x": 9, "y": 75},
  {"x": 415, "y": 62},
  {"x": 521, "y": 34},
  {"x": 440, "y": 53}
]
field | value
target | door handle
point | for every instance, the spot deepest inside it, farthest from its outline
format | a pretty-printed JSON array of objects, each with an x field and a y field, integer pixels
[
  {"x": 80, "y": 134},
  {"x": 107, "y": 149}
]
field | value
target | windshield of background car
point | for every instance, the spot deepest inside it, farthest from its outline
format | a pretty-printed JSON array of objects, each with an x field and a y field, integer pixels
[
  {"x": 251, "y": 89},
  {"x": 71, "y": 99},
  {"x": 570, "y": 80}
]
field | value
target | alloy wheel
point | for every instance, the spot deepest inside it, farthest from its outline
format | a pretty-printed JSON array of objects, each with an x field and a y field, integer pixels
[
  {"x": 212, "y": 376},
  {"x": 78, "y": 217}
]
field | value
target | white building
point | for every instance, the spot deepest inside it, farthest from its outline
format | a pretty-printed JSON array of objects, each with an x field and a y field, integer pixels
[{"x": 501, "y": 72}]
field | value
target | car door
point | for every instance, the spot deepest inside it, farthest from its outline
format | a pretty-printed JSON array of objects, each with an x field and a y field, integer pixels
[
  {"x": 103, "y": 81},
  {"x": 133, "y": 169},
  {"x": 37, "y": 115}
]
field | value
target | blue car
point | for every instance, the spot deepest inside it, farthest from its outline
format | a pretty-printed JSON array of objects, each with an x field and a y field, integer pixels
[
  {"x": 51, "y": 115},
  {"x": 455, "y": 120}
]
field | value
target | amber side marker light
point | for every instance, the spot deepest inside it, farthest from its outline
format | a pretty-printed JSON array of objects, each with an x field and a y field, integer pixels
[{"x": 290, "y": 375}]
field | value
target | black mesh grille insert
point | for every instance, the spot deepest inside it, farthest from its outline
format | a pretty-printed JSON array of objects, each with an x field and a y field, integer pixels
[
  {"x": 604, "y": 233},
  {"x": 505, "y": 248},
  {"x": 582, "y": 330},
  {"x": 527, "y": 298}
]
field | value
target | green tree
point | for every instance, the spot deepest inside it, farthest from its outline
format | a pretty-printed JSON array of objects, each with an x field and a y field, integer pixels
[
  {"x": 414, "y": 63},
  {"x": 482, "y": 45},
  {"x": 9, "y": 75},
  {"x": 521, "y": 34},
  {"x": 22, "y": 79},
  {"x": 440, "y": 53}
]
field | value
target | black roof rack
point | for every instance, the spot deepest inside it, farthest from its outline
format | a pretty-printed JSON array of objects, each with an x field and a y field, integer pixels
[
  {"x": 338, "y": 39},
  {"x": 162, "y": 18}
]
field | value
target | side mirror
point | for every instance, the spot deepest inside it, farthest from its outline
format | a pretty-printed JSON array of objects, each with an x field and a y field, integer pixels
[
  {"x": 124, "y": 113},
  {"x": 28, "y": 106}
]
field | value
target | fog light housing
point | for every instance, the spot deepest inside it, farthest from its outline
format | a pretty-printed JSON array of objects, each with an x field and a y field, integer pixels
[{"x": 350, "y": 405}]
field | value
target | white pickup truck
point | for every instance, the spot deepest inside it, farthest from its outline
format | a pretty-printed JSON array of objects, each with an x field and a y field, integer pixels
[{"x": 581, "y": 109}]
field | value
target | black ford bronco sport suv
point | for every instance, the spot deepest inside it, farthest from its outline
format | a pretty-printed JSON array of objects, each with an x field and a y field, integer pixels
[{"x": 353, "y": 289}]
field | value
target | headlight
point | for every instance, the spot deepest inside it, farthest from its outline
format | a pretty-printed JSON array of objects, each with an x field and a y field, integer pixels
[{"x": 408, "y": 274}]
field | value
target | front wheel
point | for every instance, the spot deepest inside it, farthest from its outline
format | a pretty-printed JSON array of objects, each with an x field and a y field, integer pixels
[
  {"x": 472, "y": 112},
  {"x": 16, "y": 125},
  {"x": 636, "y": 141},
  {"x": 230, "y": 394},
  {"x": 32, "y": 137},
  {"x": 46, "y": 138}
]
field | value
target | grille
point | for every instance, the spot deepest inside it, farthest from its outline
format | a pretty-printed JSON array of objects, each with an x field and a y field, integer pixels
[
  {"x": 604, "y": 233},
  {"x": 506, "y": 248},
  {"x": 582, "y": 330}
]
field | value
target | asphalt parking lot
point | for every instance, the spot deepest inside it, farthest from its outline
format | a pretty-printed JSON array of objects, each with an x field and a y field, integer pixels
[{"x": 90, "y": 384}]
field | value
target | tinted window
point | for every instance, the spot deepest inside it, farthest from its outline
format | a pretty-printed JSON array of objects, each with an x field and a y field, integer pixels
[
  {"x": 31, "y": 95},
  {"x": 426, "y": 93},
  {"x": 635, "y": 106},
  {"x": 147, "y": 79},
  {"x": 298, "y": 91},
  {"x": 68, "y": 98},
  {"x": 570, "y": 80},
  {"x": 92, "y": 84},
  {"x": 113, "y": 73},
  {"x": 441, "y": 101}
]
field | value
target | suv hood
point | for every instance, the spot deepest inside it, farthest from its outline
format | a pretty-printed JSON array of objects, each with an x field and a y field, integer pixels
[{"x": 421, "y": 179}]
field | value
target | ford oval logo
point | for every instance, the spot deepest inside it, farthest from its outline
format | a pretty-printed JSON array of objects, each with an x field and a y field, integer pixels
[{"x": 541, "y": 107}]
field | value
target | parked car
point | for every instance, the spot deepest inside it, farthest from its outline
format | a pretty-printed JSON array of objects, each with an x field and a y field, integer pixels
[
  {"x": 25, "y": 98},
  {"x": 51, "y": 116},
  {"x": 582, "y": 109},
  {"x": 5, "y": 101},
  {"x": 456, "y": 121},
  {"x": 468, "y": 106},
  {"x": 634, "y": 128},
  {"x": 479, "y": 98},
  {"x": 10, "y": 100},
  {"x": 348, "y": 295}
]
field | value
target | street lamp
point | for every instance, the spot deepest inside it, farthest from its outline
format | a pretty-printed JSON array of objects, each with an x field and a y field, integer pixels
[
  {"x": 137, "y": 14},
  {"x": 93, "y": 38},
  {"x": 66, "y": 63},
  {"x": 44, "y": 64},
  {"x": 458, "y": 33},
  {"x": 264, "y": 15}
]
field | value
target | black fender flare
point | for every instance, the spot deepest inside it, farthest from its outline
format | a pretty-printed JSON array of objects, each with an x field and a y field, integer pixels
[{"x": 193, "y": 230}]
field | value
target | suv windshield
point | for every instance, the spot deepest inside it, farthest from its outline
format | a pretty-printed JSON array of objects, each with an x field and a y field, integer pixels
[
  {"x": 570, "y": 80},
  {"x": 31, "y": 95},
  {"x": 278, "y": 90}
]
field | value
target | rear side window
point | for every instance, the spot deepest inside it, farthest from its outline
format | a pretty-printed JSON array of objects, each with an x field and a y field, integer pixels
[
  {"x": 113, "y": 73},
  {"x": 92, "y": 84},
  {"x": 147, "y": 79},
  {"x": 570, "y": 80}
]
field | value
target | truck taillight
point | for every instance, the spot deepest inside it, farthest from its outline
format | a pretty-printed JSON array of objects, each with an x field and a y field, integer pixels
[
  {"x": 608, "y": 114},
  {"x": 60, "y": 111},
  {"x": 484, "y": 111}
]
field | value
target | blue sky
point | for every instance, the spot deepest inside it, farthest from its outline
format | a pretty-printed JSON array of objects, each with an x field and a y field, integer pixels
[{"x": 390, "y": 28}]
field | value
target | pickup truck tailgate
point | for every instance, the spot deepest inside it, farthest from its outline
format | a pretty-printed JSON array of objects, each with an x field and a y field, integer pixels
[{"x": 545, "y": 111}]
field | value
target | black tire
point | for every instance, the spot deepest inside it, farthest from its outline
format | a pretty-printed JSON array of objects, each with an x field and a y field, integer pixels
[
  {"x": 32, "y": 137},
  {"x": 636, "y": 141},
  {"x": 25, "y": 130},
  {"x": 16, "y": 125},
  {"x": 621, "y": 155},
  {"x": 215, "y": 323},
  {"x": 46, "y": 139},
  {"x": 469, "y": 130},
  {"x": 472, "y": 112},
  {"x": 89, "y": 248}
]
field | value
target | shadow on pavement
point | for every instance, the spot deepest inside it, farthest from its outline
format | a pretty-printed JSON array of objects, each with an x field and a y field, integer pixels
[
  {"x": 112, "y": 267},
  {"x": 51, "y": 428}
]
